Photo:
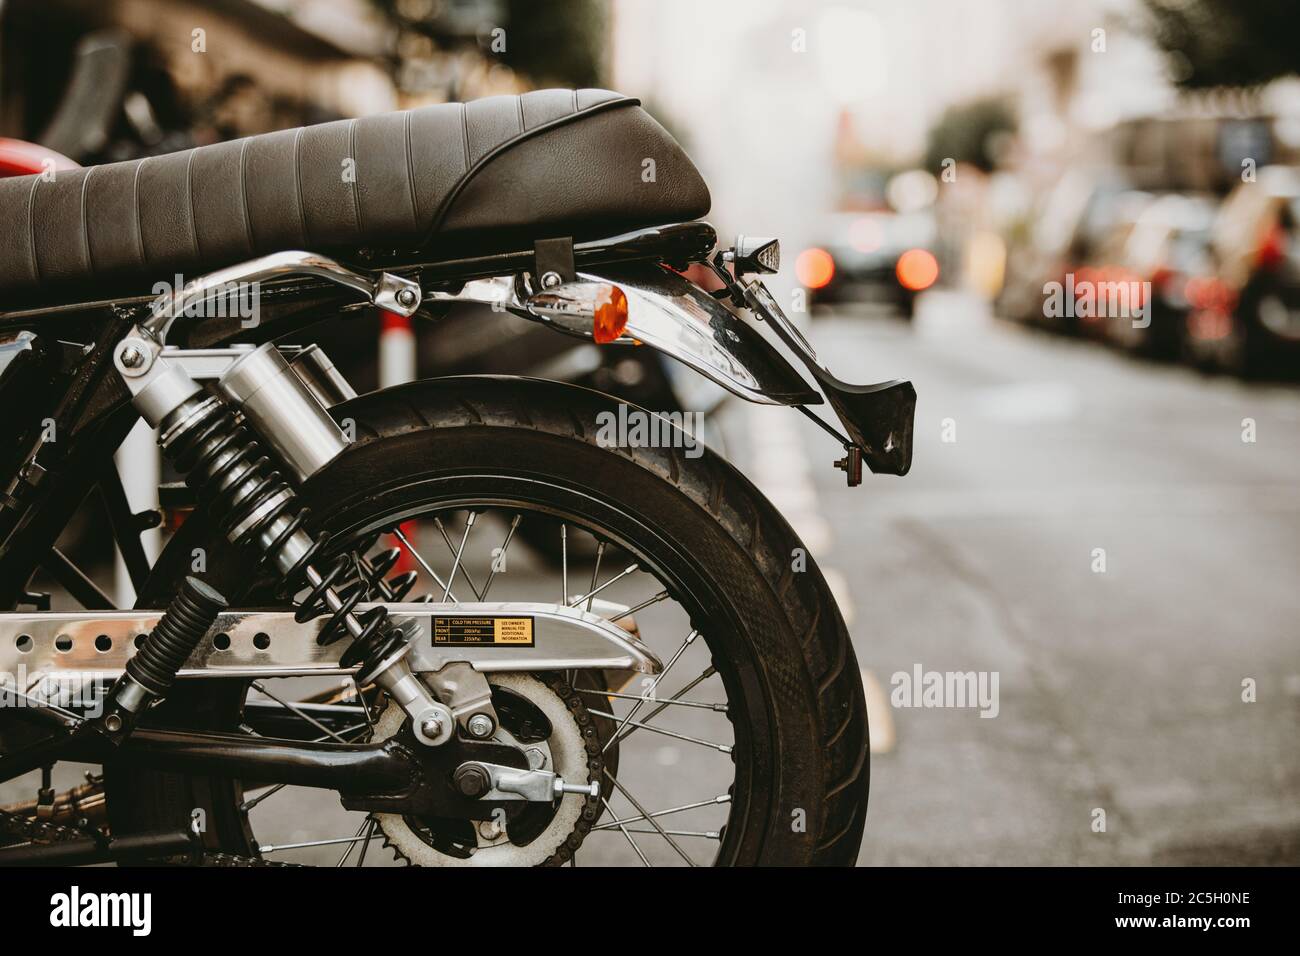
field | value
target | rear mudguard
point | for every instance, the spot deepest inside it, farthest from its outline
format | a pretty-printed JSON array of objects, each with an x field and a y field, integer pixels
[{"x": 676, "y": 317}]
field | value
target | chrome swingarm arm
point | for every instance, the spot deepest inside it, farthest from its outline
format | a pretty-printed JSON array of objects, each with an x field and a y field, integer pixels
[{"x": 489, "y": 637}]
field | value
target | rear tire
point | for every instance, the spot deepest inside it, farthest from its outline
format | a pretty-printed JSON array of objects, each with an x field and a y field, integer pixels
[{"x": 788, "y": 650}]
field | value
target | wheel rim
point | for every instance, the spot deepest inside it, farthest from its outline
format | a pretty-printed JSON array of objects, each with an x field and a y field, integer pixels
[{"x": 693, "y": 703}]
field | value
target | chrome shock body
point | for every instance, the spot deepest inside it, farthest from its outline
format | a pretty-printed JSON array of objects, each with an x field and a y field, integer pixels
[{"x": 257, "y": 508}]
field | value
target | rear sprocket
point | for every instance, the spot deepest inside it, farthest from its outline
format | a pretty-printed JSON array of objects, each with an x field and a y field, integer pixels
[{"x": 542, "y": 715}]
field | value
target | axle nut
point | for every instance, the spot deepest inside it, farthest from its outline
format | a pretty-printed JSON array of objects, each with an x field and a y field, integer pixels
[{"x": 472, "y": 780}]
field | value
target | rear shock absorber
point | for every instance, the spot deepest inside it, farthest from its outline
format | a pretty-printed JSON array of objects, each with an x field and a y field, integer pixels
[{"x": 256, "y": 508}]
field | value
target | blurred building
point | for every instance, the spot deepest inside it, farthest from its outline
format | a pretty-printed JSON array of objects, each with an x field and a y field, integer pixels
[{"x": 113, "y": 79}]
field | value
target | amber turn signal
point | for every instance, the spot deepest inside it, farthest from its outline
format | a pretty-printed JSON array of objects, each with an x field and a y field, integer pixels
[{"x": 610, "y": 319}]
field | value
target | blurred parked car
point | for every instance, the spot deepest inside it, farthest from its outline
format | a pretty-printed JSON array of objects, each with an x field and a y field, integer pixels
[
  {"x": 1168, "y": 246},
  {"x": 1073, "y": 220},
  {"x": 1106, "y": 287},
  {"x": 873, "y": 257},
  {"x": 1244, "y": 314}
]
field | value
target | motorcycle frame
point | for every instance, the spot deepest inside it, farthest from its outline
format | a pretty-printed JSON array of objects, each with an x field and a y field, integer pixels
[{"x": 89, "y": 407}]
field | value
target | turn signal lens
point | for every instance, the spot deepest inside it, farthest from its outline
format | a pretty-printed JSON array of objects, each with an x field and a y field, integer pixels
[
  {"x": 814, "y": 268},
  {"x": 917, "y": 269},
  {"x": 610, "y": 319}
]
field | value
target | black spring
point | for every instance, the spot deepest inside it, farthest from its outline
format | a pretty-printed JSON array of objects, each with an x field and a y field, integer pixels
[
  {"x": 354, "y": 579},
  {"x": 224, "y": 464}
]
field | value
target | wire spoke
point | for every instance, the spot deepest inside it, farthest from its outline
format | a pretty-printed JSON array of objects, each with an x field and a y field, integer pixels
[
  {"x": 419, "y": 558},
  {"x": 312, "y": 843},
  {"x": 469, "y": 524},
  {"x": 663, "y": 705},
  {"x": 619, "y": 615},
  {"x": 500, "y": 559},
  {"x": 258, "y": 685},
  {"x": 702, "y": 834},
  {"x": 370, "y": 835},
  {"x": 564, "y": 563},
  {"x": 703, "y": 705},
  {"x": 721, "y": 748},
  {"x": 616, "y": 822},
  {"x": 649, "y": 692},
  {"x": 594, "y": 591},
  {"x": 595, "y": 573},
  {"x": 361, "y": 699},
  {"x": 351, "y": 846},
  {"x": 644, "y": 861},
  {"x": 652, "y": 821},
  {"x": 464, "y": 571}
]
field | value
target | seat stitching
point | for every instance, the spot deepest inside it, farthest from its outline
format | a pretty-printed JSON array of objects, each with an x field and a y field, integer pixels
[
  {"x": 31, "y": 228},
  {"x": 410, "y": 172},
  {"x": 135, "y": 199},
  {"x": 85, "y": 221},
  {"x": 464, "y": 128},
  {"x": 356, "y": 200},
  {"x": 243, "y": 197},
  {"x": 297, "y": 182},
  {"x": 189, "y": 201}
]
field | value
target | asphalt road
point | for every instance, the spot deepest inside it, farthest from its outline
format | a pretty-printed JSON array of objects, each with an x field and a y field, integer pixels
[{"x": 1119, "y": 691}]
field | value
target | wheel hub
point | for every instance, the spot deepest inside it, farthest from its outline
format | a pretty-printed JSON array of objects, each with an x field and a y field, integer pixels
[{"x": 547, "y": 726}]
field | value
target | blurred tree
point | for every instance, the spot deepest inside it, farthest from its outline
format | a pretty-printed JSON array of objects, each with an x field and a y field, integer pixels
[
  {"x": 1227, "y": 42},
  {"x": 970, "y": 133}
]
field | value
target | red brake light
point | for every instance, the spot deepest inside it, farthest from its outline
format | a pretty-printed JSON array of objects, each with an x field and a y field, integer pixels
[
  {"x": 814, "y": 268},
  {"x": 1272, "y": 248},
  {"x": 917, "y": 269}
]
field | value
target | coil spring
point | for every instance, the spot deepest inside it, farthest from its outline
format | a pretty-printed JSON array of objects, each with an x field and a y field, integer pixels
[{"x": 245, "y": 492}]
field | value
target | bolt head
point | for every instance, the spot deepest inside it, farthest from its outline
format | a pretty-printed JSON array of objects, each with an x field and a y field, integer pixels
[
  {"x": 472, "y": 780},
  {"x": 113, "y": 723},
  {"x": 131, "y": 357},
  {"x": 431, "y": 727},
  {"x": 550, "y": 280},
  {"x": 406, "y": 297},
  {"x": 480, "y": 725}
]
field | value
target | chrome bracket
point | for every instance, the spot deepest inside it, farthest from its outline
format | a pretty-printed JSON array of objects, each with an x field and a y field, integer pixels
[
  {"x": 537, "y": 786},
  {"x": 391, "y": 292}
]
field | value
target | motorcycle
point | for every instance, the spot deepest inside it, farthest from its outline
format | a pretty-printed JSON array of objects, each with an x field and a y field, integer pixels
[{"x": 699, "y": 704}]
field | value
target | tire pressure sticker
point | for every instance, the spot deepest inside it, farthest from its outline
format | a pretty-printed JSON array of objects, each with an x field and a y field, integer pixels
[{"x": 476, "y": 631}]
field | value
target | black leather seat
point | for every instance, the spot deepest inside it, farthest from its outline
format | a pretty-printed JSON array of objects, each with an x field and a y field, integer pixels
[{"x": 490, "y": 175}]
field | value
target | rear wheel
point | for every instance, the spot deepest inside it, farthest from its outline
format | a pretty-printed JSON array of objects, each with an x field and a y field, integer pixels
[{"x": 753, "y": 749}]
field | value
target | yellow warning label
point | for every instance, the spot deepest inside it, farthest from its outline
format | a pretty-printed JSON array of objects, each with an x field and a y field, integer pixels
[
  {"x": 513, "y": 630},
  {"x": 476, "y": 631}
]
